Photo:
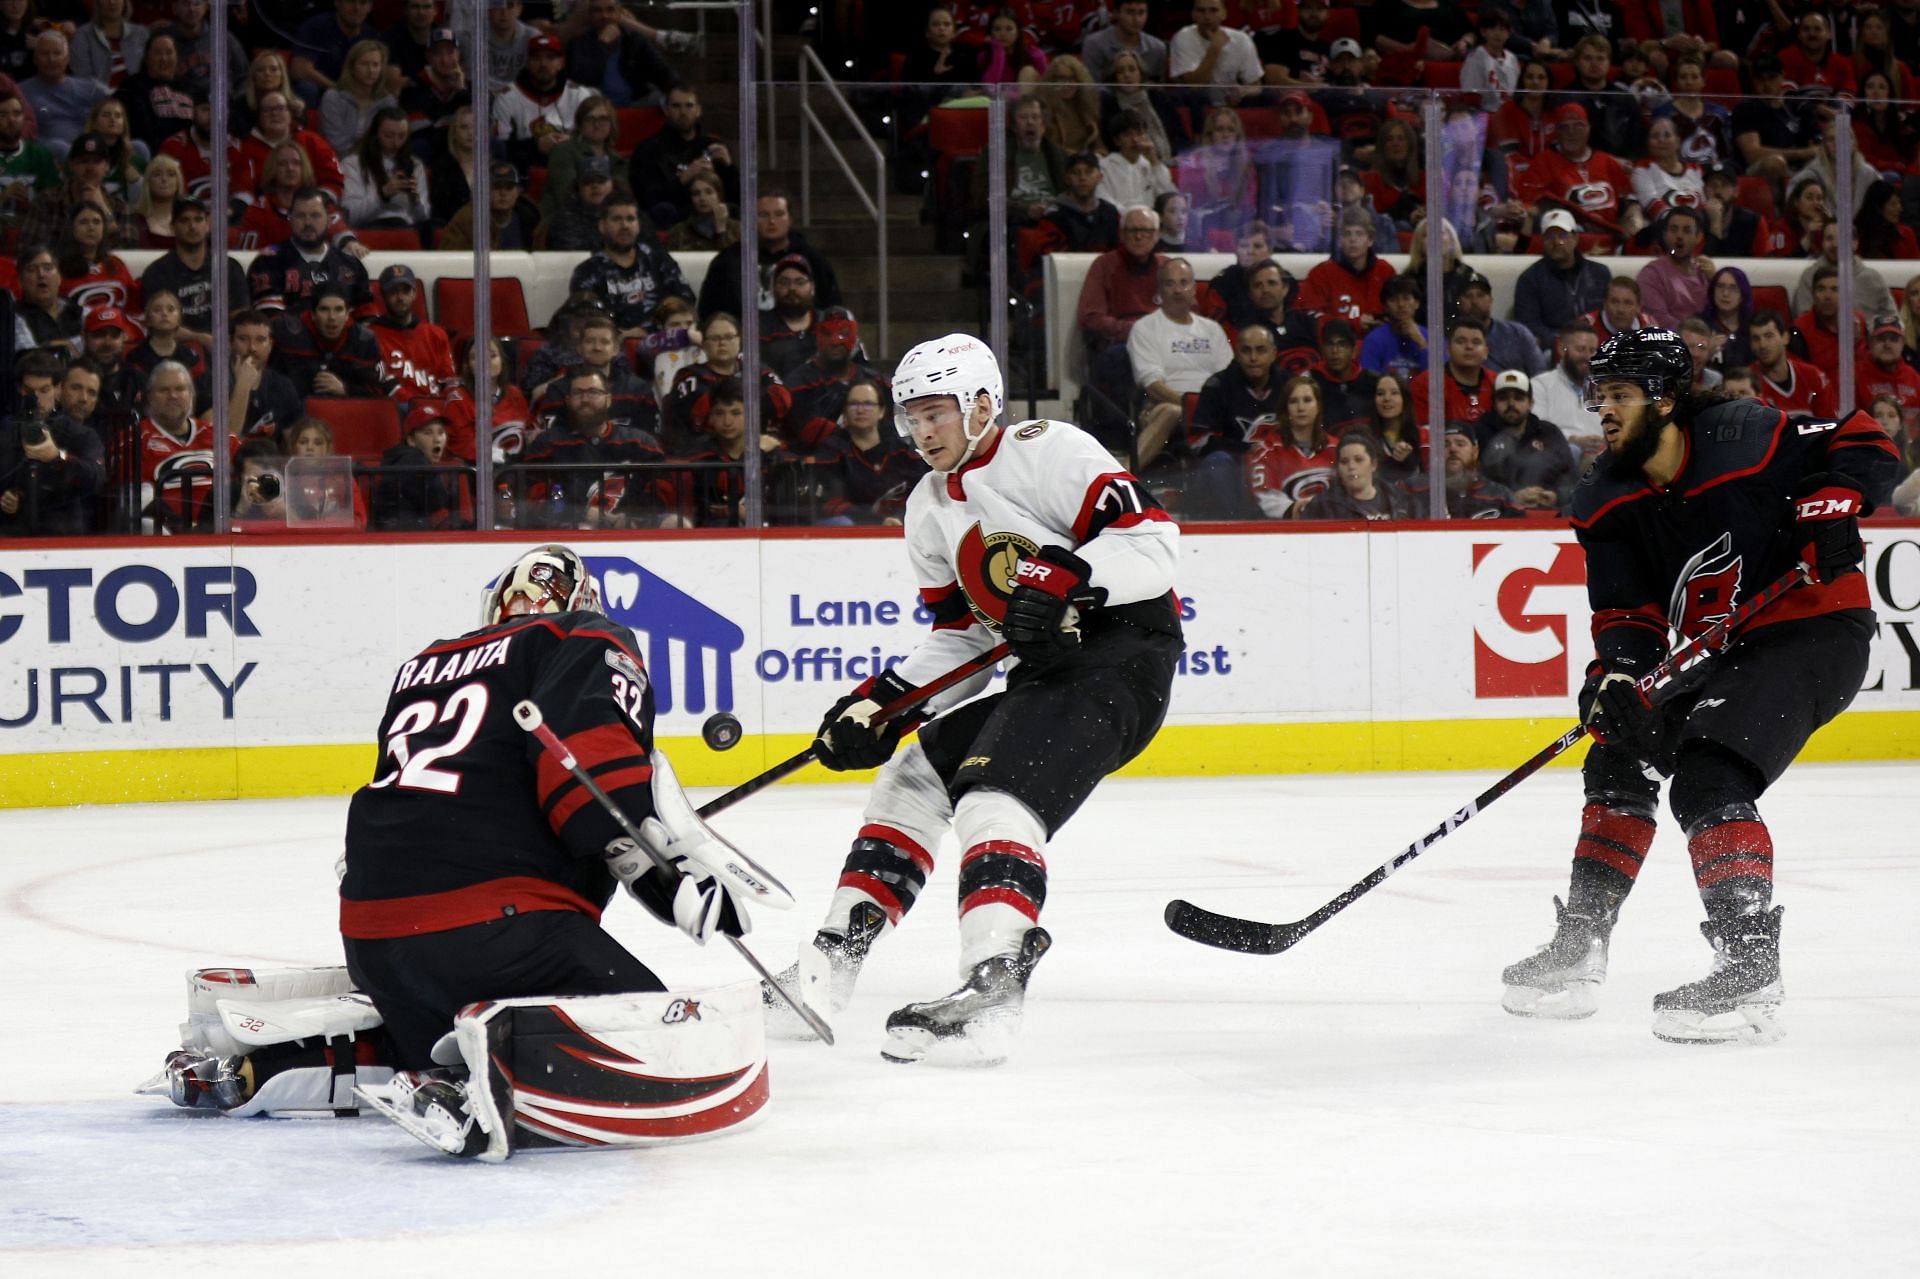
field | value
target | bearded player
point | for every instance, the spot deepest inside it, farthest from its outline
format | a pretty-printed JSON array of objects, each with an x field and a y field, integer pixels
[
  {"x": 1696, "y": 503},
  {"x": 1032, "y": 534}
]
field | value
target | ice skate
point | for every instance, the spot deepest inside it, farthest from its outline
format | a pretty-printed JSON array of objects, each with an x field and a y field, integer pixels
[
  {"x": 197, "y": 1081},
  {"x": 1739, "y": 1000},
  {"x": 439, "y": 1111},
  {"x": 1561, "y": 980},
  {"x": 975, "y": 1025},
  {"x": 840, "y": 955}
]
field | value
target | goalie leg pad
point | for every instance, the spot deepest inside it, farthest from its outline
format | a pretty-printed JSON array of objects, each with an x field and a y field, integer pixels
[{"x": 600, "y": 1070}]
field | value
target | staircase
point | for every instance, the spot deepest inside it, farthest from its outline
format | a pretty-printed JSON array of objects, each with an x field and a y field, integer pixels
[{"x": 924, "y": 285}]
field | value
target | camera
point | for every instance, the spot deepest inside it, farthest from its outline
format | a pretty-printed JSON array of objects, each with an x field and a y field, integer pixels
[{"x": 267, "y": 485}]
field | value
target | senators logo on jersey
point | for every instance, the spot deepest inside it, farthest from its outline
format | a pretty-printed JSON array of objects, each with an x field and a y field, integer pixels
[{"x": 985, "y": 566}]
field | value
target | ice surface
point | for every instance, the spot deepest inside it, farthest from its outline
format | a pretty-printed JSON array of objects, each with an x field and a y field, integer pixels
[{"x": 1357, "y": 1106}]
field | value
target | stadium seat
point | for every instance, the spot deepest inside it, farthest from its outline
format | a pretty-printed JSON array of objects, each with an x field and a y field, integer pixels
[
  {"x": 389, "y": 239},
  {"x": 1342, "y": 24},
  {"x": 453, "y": 306},
  {"x": 1560, "y": 75},
  {"x": 634, "y": 125},
  {"x": 536, "y": 183},
  {"x": 363, "y": 428},
  {"x": 1773, "y": 297},
  {"x": 522, "y": 351},
  {"x": 1723, "y": 85},
  {"x": 1440, "y": 75},
  {"x": 1755, "y": 193},
  {"x": 957, "y": 130}
]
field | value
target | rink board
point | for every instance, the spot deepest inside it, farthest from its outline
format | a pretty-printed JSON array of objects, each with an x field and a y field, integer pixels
[{"x": 196, "y": 669}]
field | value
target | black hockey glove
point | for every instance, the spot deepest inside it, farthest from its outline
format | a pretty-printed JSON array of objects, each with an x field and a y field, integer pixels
[
  {"x": 849, "y": 739},
  {"x": 1826, "y": 512},
  {"x": 1050, "y": 592},
  {"x": 1614, "y": 708}
]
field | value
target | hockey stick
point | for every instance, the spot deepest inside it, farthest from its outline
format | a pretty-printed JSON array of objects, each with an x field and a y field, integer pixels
[
  {"x": 1252, "y": 937},
  {"x": 892, "y": 710},
  {"x": 528, "y": 716}
]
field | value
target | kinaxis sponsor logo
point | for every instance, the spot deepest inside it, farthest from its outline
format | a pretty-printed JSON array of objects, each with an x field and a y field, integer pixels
[
  {"x": 1524, "y": 592},
  {"x": 668, "y": 619}
]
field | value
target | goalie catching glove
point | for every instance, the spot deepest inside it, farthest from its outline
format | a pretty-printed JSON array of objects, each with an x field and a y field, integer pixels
[
  {"x": 710, "y": 882},
  {"x": 1050, "y": 592},
  {"x": 849, "y": 739}
]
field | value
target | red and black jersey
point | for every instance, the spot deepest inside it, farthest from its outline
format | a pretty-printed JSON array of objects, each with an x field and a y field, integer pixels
[
  {"x": 300, "y": 352},
  {"x": 1281, "y": 473},
  {"x": 690, "y": 401},
  {"x": 417, "y": 358},
  {"x": 818, "y": 396},
  {"x": 1804, "y": 391},
  {"x": 285, "y": 279},
  {"x": 1230, "y": 413},
  {"x": 1681, "y": 558},
  {"x": 176, "y": 476},
  {"x": 599, "y": 475},
  {"x": 867, "y": 485},
  {"x": 1463, "y": 404},
  {"x": 466, "y": 819}
]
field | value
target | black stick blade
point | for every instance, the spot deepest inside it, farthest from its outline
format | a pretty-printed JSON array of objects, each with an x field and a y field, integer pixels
[{"x": 1226, "y": 932}]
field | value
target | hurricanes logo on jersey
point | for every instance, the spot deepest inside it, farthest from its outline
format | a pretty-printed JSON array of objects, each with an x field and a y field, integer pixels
[
  {"x": 1705, "y": 592},
  {"x": 986, "y": 565}
]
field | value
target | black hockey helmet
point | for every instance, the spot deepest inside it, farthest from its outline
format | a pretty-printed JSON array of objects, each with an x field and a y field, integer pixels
[{"x": 1656, "y": 359}]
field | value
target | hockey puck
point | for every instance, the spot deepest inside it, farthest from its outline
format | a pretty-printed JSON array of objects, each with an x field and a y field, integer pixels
[{"x": 722, "y": 731}]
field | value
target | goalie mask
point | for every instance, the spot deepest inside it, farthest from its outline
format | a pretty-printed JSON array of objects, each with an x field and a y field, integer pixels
[{"x": 547, "y": 579}]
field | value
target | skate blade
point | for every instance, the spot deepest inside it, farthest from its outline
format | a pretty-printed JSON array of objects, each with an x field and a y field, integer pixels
[
  {"x": 1752, "y": 1024},
  {"x": 436, "y": 1129},
  {"x": 988, "y": 1041},
  {"x": 1572, "y": 1002}
]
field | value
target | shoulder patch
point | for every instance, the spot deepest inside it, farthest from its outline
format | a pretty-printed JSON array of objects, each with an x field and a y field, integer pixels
[
  {"x": 624, "y": 665},
  {"x": 1031, "y": 431}
]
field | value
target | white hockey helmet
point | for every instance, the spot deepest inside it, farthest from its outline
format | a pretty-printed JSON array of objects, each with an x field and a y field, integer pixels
[
  {"x": 547, "y": 579},
  {"x": 959, "y": 365}
]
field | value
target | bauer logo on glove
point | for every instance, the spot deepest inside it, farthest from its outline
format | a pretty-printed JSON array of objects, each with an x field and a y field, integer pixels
[{"x": 1050, "y": 593}]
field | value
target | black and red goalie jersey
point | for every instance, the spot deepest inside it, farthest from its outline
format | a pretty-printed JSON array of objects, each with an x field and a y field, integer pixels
[
  {"x": 466, "y": 818},
  {"x": 1683, "y": 557}
]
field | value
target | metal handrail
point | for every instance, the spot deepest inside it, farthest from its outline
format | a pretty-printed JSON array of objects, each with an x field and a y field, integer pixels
[{"x": 877, "y": 204}]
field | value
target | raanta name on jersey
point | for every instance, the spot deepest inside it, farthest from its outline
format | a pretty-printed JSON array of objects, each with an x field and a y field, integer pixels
[{"x": 457, "y": 665}]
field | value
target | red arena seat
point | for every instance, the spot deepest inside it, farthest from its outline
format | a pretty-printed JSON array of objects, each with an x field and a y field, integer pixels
[
  {"x": 453, "y": 306},
  {"x": 363, "y": 428}
]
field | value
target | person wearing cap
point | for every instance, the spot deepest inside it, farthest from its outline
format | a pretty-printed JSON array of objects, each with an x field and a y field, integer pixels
[
  {"x": 1733, "y": 230},
  {"x": 623, "y": 63},
  {"x": 665, "y": 166},
  {"x": 787, "y": 339},
  {"x": 321, "y": 45},
  {"x": 575, "y": 223},
  {"x": 60, "y": 101},
  {"x": 413, "y": 494},
  {"x": 432, "y": 94},
  {"x": 86, "y": 169},
  {"x": 820, "y": 385},
  {"x": 1083, "y": 220},
  {"x": 514, "y": 220},
  {"x": 630, "y": 269},
  {"x": 325, "y": 352},
  {"x": 106, "y": 334},
  {"x": 1574, "y": 174},
  {"x": 410, "y": 41},
  {"x": 415, "y": 352},
  {"x": 1469, "y": 494},
  {"x": 1129, "y": 174},
  {"x": 1674, "y": 285},
  {"x": 773, "y": 219},
  {"x": 1126, "y": 32},
  {"x": 1520, "y": 450},
  {"x": 1885, "y": 371},
  {"x": 1215, "y": 59},
  {"x": 183, "y": 271},
  {"x": 1563, "y": 285},
  {"x": 537, "y": 111},
  {"x": 1492, "y": 68}
]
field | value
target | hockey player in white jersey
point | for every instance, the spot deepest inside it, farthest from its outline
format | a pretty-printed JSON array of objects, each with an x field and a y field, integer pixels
[{"x": 1029, "y": 533}]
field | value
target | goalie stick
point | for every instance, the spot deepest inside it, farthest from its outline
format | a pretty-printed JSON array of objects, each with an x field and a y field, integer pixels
[
  {"x": 1250, "y": 936},
  {"x": 892, "y": 710},
  {"x": 529, "y": 717}
]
